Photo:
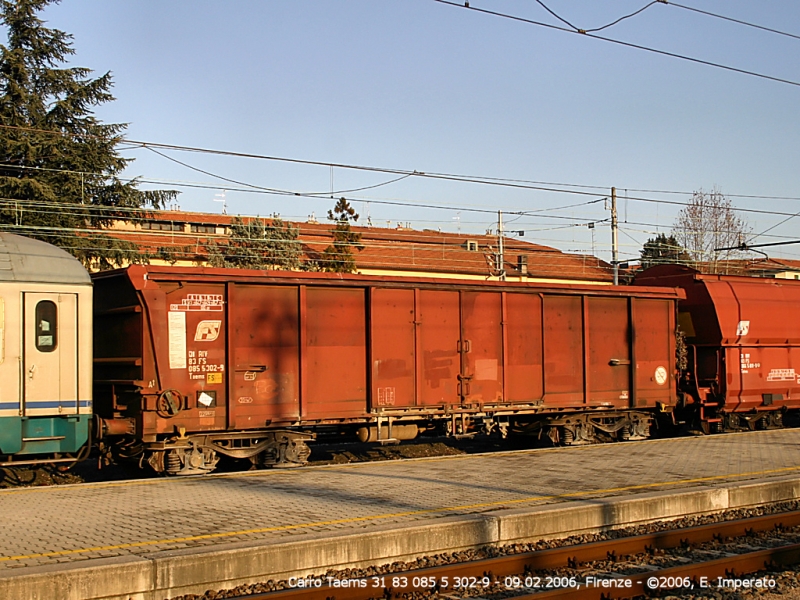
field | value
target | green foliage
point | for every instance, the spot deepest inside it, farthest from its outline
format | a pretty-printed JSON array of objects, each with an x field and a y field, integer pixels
[
  {"x": 681, "y": 350},
  {"x": 663, "y": 250},
  {"x": 257, "y": 244},
  {"x": 59, "y": 167},
  {"x": 338, "y": 257},
  {"x": 170, "y": 255}
]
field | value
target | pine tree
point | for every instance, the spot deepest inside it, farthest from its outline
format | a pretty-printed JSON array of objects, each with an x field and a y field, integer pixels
[
  {"x": 59, "y": 166},
  {"x": 663, "y": 250},
  {"x": 338, "y": 257}
]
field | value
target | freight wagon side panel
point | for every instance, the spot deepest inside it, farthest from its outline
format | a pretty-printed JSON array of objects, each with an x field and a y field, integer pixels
[
  {"x": 264, "y": 349},
  {"x": 744, "y": 333},
  {"x": 608, "y": 343},
  {"x": 481, "y": 347},
  {"x": 762, "y": 377},
  {"x": 334, "y": 353},
  {"x": 654, "y": 351},
  {"x": 563, "y": 351},
  {"x": 524, "y": 365},
  {"x": 392, "y": 347},
  {"x": 457, "y": 337},
  {"x": 439, "y": 360},
  {"x": 186, "y": 327}
]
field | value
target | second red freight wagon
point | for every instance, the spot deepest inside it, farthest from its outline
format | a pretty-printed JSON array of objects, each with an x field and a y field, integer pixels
[{"x": 743, "y": 341}]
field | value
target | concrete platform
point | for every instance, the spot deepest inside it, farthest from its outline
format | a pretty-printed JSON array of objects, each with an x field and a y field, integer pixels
[{"x": 159, "y": 538}]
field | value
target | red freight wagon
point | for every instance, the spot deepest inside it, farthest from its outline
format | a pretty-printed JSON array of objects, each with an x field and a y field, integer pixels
[
  {"x": 191, "y": 363},
  {"x": 743, "y": 339}
]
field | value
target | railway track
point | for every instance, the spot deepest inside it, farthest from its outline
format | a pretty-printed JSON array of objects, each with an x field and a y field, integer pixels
[
  {"x": 322, "y": 454},
  {"x": 718, "y": 557},
  {"x": 95, "y": 469}
]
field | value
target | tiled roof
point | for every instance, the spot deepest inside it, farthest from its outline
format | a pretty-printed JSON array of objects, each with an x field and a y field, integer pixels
[
  {"x": 390, "y": 249},
  {"x": 761, "y": 267}
]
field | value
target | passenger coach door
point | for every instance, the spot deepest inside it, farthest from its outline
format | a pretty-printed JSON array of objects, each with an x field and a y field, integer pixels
[{"x": 50, "y": 357}]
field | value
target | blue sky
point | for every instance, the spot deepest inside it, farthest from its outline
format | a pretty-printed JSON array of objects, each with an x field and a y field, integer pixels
[{"x": 418, "y": 85}]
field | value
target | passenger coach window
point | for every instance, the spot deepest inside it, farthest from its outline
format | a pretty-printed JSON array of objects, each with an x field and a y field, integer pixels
[{"x": 46, "y": 324}]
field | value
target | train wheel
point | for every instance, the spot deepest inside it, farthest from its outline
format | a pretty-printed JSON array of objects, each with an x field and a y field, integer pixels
[
  {"x": 567, "y": 436},
  {"x": 287, "y": 450},
  {"x": 193, "y": 459}
]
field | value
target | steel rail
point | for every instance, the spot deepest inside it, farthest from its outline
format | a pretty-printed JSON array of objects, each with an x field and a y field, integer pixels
[
  {"x": 571, "y": 557},
  {"x": 728, "y": 567}
]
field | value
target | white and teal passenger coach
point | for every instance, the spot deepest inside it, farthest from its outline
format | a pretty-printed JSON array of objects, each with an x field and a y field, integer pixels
[{"x": 45, "y": 353}]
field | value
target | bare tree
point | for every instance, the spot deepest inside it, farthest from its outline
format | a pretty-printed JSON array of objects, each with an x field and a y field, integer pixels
[{"x": 709, "y": 222}]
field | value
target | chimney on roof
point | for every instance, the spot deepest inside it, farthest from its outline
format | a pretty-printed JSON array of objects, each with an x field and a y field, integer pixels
[{"x": 522, "y": 264}]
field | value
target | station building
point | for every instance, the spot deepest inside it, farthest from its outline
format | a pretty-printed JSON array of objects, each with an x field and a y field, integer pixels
[{"x": 396, "y": 250}]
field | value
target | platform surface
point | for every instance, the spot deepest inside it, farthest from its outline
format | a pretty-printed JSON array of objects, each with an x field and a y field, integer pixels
[{"x": 68, "y": 524}]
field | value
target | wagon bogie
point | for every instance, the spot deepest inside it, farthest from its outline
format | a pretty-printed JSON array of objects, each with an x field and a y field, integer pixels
[{"x": 199, "y": 454}]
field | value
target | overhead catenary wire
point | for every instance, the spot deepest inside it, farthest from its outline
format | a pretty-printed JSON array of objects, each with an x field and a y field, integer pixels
[
  {"x": 468, "y": 6},
  {"x": 57, "y": 207},
  {"x": 739, "y": 21},
  {"x": 263, "y": 190},
  {"x": 535, "y": 212},
  {"x": 328, "y": 193},
  {"x": 462, "y": 178},
  {"x": 668, "y": 3},
  {"x": 258, "y": 189},
  {"x": 482, "y": 179},
  {"x": 582, "y": 30}
]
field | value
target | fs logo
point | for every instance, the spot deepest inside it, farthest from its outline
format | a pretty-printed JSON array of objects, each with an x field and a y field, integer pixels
[
  {"x": 207, "y": 331},
  {"x": 743, "y": 328}
]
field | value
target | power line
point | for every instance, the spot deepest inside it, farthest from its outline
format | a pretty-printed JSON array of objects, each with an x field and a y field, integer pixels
[
  {"x": 668, "y": 3},
  {"x": 485, "y": 180},
  {"x": 740, "y": 22},
  {"x": 462, "y": 178},
  {"x": 747, "y": 196},
  {"x": 518, "y": 184},
  {"x": 745, "y": 247},
  {"x": 331, "y": 193},
  {"x": 411, "y": 173},
  {"x": 580, "y": 30},
  {"x": 467, "y": 6},
  {"x": 535, "y": 212}
]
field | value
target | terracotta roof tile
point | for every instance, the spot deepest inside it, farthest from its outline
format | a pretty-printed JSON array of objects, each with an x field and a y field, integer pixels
[{"x": 390, "y": 249}]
